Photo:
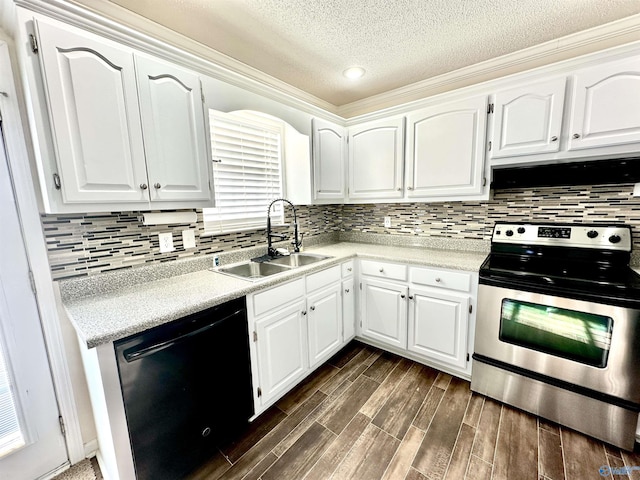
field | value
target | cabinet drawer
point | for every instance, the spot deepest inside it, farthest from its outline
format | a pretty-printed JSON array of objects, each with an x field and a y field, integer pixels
[
  {"x": 347, "y": 269},
  {"x": 441, "y": 278},
  {"x": 277, "y": 296},
  {"x": 392, "y": 271},
  {"x": 323, "y": 278}
]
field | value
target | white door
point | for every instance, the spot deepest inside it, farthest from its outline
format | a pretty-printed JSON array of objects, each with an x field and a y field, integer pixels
[
  {"x": 329, "y": 160},
  {"x": 282, "y": 352},
  {"x": 325, "y": 324},
  {"x": 438, "y": 326},
  {"x": 384, "y": 312},
  {"x": 174, "y": 131},
  {"x": 91, "y": 89},
  {"x": 31, "y": 443},
  {"x": 348, "y": 310},
  {"x": 606, "y": 105},
  {"x": 528, "y": 119},
  {"x": 445, "y": 149},
  {"x": 376, "y": 159}
]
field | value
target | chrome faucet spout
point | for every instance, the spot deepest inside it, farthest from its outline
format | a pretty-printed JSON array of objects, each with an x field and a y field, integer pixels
[{"x": 297, "y": 242}]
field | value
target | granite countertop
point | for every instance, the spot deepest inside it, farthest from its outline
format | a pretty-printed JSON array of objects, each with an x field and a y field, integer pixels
[{"x": 128, "y": 304}]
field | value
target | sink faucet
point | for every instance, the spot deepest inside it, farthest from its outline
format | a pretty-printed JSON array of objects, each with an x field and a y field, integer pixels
[{"x": 297, "y": 242}]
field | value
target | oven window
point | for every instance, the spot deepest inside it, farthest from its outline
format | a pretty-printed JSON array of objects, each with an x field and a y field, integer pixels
[{"x": 583, "y": 337}]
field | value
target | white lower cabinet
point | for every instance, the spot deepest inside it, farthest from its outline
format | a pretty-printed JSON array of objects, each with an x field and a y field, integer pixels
[
  {"x": 348, "y": 310},
  {"x": 325, "y": 324},
  {"x": 424, "y": 313},
  {"x": 383, "y": 310},
  {"x": 295, "y": 327},
  {"x": 438, "y": 325}
]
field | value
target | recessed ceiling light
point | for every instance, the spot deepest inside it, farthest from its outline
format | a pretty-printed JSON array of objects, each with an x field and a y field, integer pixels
[{"x": 353, "y": 73}]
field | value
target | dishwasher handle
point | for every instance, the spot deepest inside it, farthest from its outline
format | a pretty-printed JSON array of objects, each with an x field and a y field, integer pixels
[{"x": 134, "y": 354}]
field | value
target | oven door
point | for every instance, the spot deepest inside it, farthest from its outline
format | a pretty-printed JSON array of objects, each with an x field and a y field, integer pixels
[{"x": 588, "y": 345}]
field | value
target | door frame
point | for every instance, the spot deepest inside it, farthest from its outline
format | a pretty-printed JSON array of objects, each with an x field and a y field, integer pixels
[{"x": 19, "y": 155}]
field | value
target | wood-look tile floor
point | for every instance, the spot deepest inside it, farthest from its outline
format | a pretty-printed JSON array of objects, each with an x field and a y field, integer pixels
[{"x": 368, "y": 414}]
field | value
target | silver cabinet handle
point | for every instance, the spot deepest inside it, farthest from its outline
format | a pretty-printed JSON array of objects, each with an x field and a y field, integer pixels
[
  {"x": 381, "y": 270},
  {"x": 304, "y": 312},
  {"x": 576, "y": 135},
  {"x": 409, "y": 188},
  {"x": 157, "y": 185},
  {"x": 143, "y": 186},
  {"x": 554, "y": 139},
  {"x": 312, "y": 308},
  {"x": 399, "y": 189},
  {"x": 410, "y": 297},
  {"x": 402, "y": 295},
  {"x": 349, "y": 269},
  {"x": 346, "y": 290},
  {"x": 438, "y": 279}
]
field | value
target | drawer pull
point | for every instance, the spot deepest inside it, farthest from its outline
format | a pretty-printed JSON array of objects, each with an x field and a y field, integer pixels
[
  {"x": 304, "y": 312},
  {"x": 346, "y": 290},
  {"x": 381, "y": 270},
  {"x": 438, "y": 280},
  {"x": 349, "y": 269},
  {"x": 312, "y": 308}
]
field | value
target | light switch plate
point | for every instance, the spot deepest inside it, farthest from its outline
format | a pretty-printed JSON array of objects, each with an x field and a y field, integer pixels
[
  {"x": 166, "y": 242},
  {"x": 188, "y": 239}
]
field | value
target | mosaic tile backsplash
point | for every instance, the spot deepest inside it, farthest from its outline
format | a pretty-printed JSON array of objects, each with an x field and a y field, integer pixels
[{"x": 80, "y": 245}]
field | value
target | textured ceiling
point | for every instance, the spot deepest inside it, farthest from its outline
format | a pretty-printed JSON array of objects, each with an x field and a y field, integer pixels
[{"x": 308, "y": 43}]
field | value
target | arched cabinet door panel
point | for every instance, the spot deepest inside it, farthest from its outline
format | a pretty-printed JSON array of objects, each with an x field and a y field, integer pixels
[
  {"x": 174, "y": 131},
  {"x": 91, "y": 92},
  {"x": 606, "y": 105},
  {"x": 528, "y": 120},
  {"x": 329, "y": 144}
]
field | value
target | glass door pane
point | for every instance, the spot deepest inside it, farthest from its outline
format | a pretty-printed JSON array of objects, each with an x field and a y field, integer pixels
[
  {"x": 580, "y": 336},
  {"x": 11, "y": 437}
]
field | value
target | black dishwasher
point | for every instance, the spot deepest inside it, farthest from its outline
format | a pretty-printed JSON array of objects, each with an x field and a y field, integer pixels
[{"x": 186, "y": 387}]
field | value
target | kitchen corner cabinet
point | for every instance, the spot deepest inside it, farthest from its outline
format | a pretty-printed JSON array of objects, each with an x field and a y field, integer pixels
[
  {"x": 376, "y": 159},
  {"x": 528, "y": 119},
  {"x": 606, "y": 105},
  {"x": 126, "y": 129},
  {"x": 446, "y": 150},
  {"x": 329, "y": 146}
]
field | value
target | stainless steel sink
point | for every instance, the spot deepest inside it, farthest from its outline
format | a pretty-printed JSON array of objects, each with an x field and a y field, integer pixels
[
  {"x": 253, "y": 270},
  {"x": 298, "y": 259}
]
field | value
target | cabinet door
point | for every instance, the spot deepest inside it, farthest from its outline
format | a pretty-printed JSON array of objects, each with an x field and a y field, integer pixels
[
  {"x": 438, "y": 326},
  {"x": 348, "y": 310},
  {"x": 282, "y": 350},
  {"x": 91, "y": 91},
  {"x": 384, "y": 312},
  {"x": 329, "y": 160},
  {"x": 376, "y": 159},
  {"x": 174, "y": 131},
  {"x": 528, "y": 120},
  {"x": 606, "y": 105},
  {"x": 325, "y": 324},
  {"x": 445, "y": 149}
]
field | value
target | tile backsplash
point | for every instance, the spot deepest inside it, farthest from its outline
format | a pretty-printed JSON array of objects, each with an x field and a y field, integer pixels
[{"x": 80, "y": 245}]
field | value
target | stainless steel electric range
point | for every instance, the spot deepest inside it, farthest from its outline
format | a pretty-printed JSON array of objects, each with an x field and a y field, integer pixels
[{"x": 558, "y": 326}]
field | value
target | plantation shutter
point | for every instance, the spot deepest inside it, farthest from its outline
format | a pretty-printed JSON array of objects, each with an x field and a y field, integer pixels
[{"x": 247, "y": 173}]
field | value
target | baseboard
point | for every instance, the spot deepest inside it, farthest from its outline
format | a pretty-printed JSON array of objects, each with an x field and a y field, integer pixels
[{"x": 91, "y": 448}]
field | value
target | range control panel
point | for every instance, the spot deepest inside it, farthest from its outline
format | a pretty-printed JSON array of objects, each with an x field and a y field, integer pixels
[{"x": 604, "y": 237}]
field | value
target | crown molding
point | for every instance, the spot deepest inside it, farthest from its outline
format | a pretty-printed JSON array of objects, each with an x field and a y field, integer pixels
[
  {"x": 119, "y": 24},
  {"x": 592, "y": 40}
]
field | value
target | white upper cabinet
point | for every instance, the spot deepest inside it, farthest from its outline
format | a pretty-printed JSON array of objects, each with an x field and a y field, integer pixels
[
  {"x": 376, "y": 159},
  {"x": 174, "y": 131},
  {"x": 528, "y": 120},
  {"x": 93, "y": 104},
  {"x": 446, "y": 148},
  {"x": 606, "y": 105},
  {"x": 127, "y": 131},
  {"x": 329, "y": 143}
]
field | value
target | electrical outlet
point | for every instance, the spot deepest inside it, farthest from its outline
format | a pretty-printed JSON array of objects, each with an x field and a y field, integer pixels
[
  {"x": 166, "y": 242},
  {"x": 188, "y": 239},
  {"x": 387, "y": 222}
]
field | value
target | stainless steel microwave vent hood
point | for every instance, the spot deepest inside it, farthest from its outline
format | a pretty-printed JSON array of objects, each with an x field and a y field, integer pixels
[{"x": 594, "y": 172}]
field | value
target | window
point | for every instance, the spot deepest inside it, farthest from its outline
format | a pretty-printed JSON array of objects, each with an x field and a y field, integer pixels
[
  {"x": 11, "y": 437},
  {"x": 247, "y": 172}
]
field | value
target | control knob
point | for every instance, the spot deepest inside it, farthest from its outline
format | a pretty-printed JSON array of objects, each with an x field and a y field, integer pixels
[
  {"x": 592, "y": 233},
  {"x": 509, "y": 233},
  {"x": 520, "y": 229},
  {"x": 614, "y": 238}
]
